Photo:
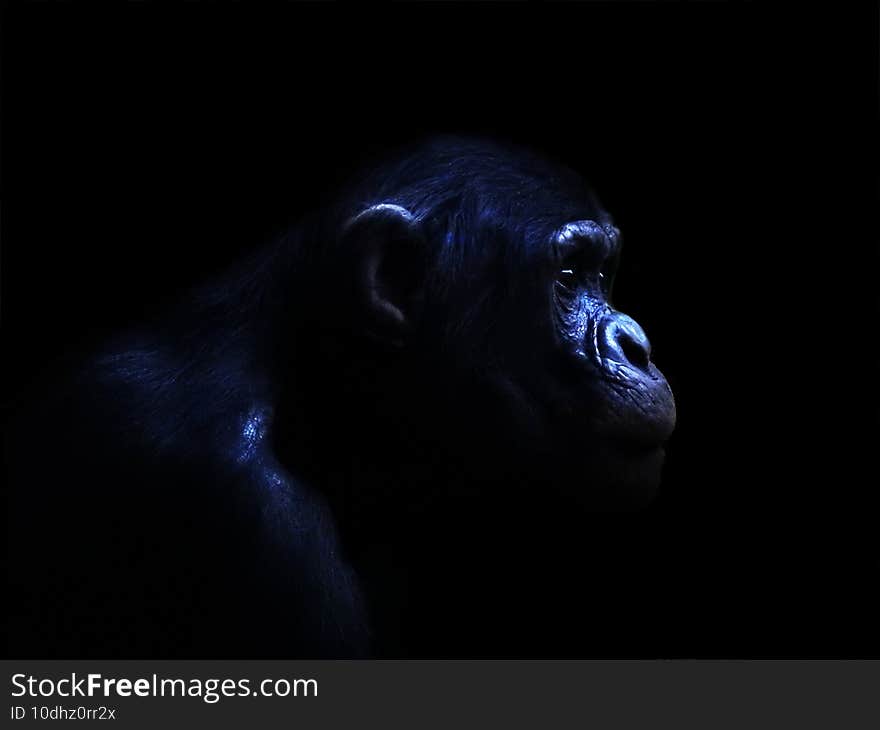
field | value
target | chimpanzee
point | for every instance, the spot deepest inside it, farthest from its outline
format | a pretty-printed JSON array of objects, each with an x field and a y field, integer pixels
[{"x": 357, "y": 443}]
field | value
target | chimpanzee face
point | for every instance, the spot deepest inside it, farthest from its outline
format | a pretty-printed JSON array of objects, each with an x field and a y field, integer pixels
[{"x": 582, "y": 405}]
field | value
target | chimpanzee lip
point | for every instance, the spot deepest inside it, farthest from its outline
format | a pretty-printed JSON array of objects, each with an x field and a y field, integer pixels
[
  {"x": 634, "y": 448},
  {"x": 641, "y": 434},
  {"x": 635, "y": 434}
]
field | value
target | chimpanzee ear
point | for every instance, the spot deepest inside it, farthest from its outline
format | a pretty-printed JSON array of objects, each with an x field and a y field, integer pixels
[{"x": 387, "y": 247}]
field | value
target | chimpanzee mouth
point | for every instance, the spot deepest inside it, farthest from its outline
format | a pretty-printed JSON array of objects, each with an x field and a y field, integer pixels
[
  {"x": 640, "y": 427},
  {"x": 637, "y": 435},
  {"x": 634, "y": 450}
]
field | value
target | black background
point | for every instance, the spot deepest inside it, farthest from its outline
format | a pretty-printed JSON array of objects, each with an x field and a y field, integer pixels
[{"x": 145, "y": 147}]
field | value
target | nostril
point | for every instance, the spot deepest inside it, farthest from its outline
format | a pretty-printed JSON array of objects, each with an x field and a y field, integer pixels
[
  {"x": 620, "y": 339},
  {"x": 638, "y": 353}
]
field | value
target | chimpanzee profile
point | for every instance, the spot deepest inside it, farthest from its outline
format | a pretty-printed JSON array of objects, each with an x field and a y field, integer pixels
[{"x": 409, "y": 389}]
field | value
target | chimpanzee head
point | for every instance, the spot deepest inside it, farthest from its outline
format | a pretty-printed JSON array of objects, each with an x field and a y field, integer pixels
[{"x": 472, "y": 311}]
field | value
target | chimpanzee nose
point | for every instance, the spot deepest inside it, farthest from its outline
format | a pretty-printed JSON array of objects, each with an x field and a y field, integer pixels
[{"x": 622, "y": 340}]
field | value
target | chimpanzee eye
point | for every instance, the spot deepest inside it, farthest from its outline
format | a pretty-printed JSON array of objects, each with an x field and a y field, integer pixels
[{"x": 568, "y": 277}]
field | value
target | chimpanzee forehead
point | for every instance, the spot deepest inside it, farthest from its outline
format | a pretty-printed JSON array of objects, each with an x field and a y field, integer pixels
[{"x": 539, "y": 224}]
